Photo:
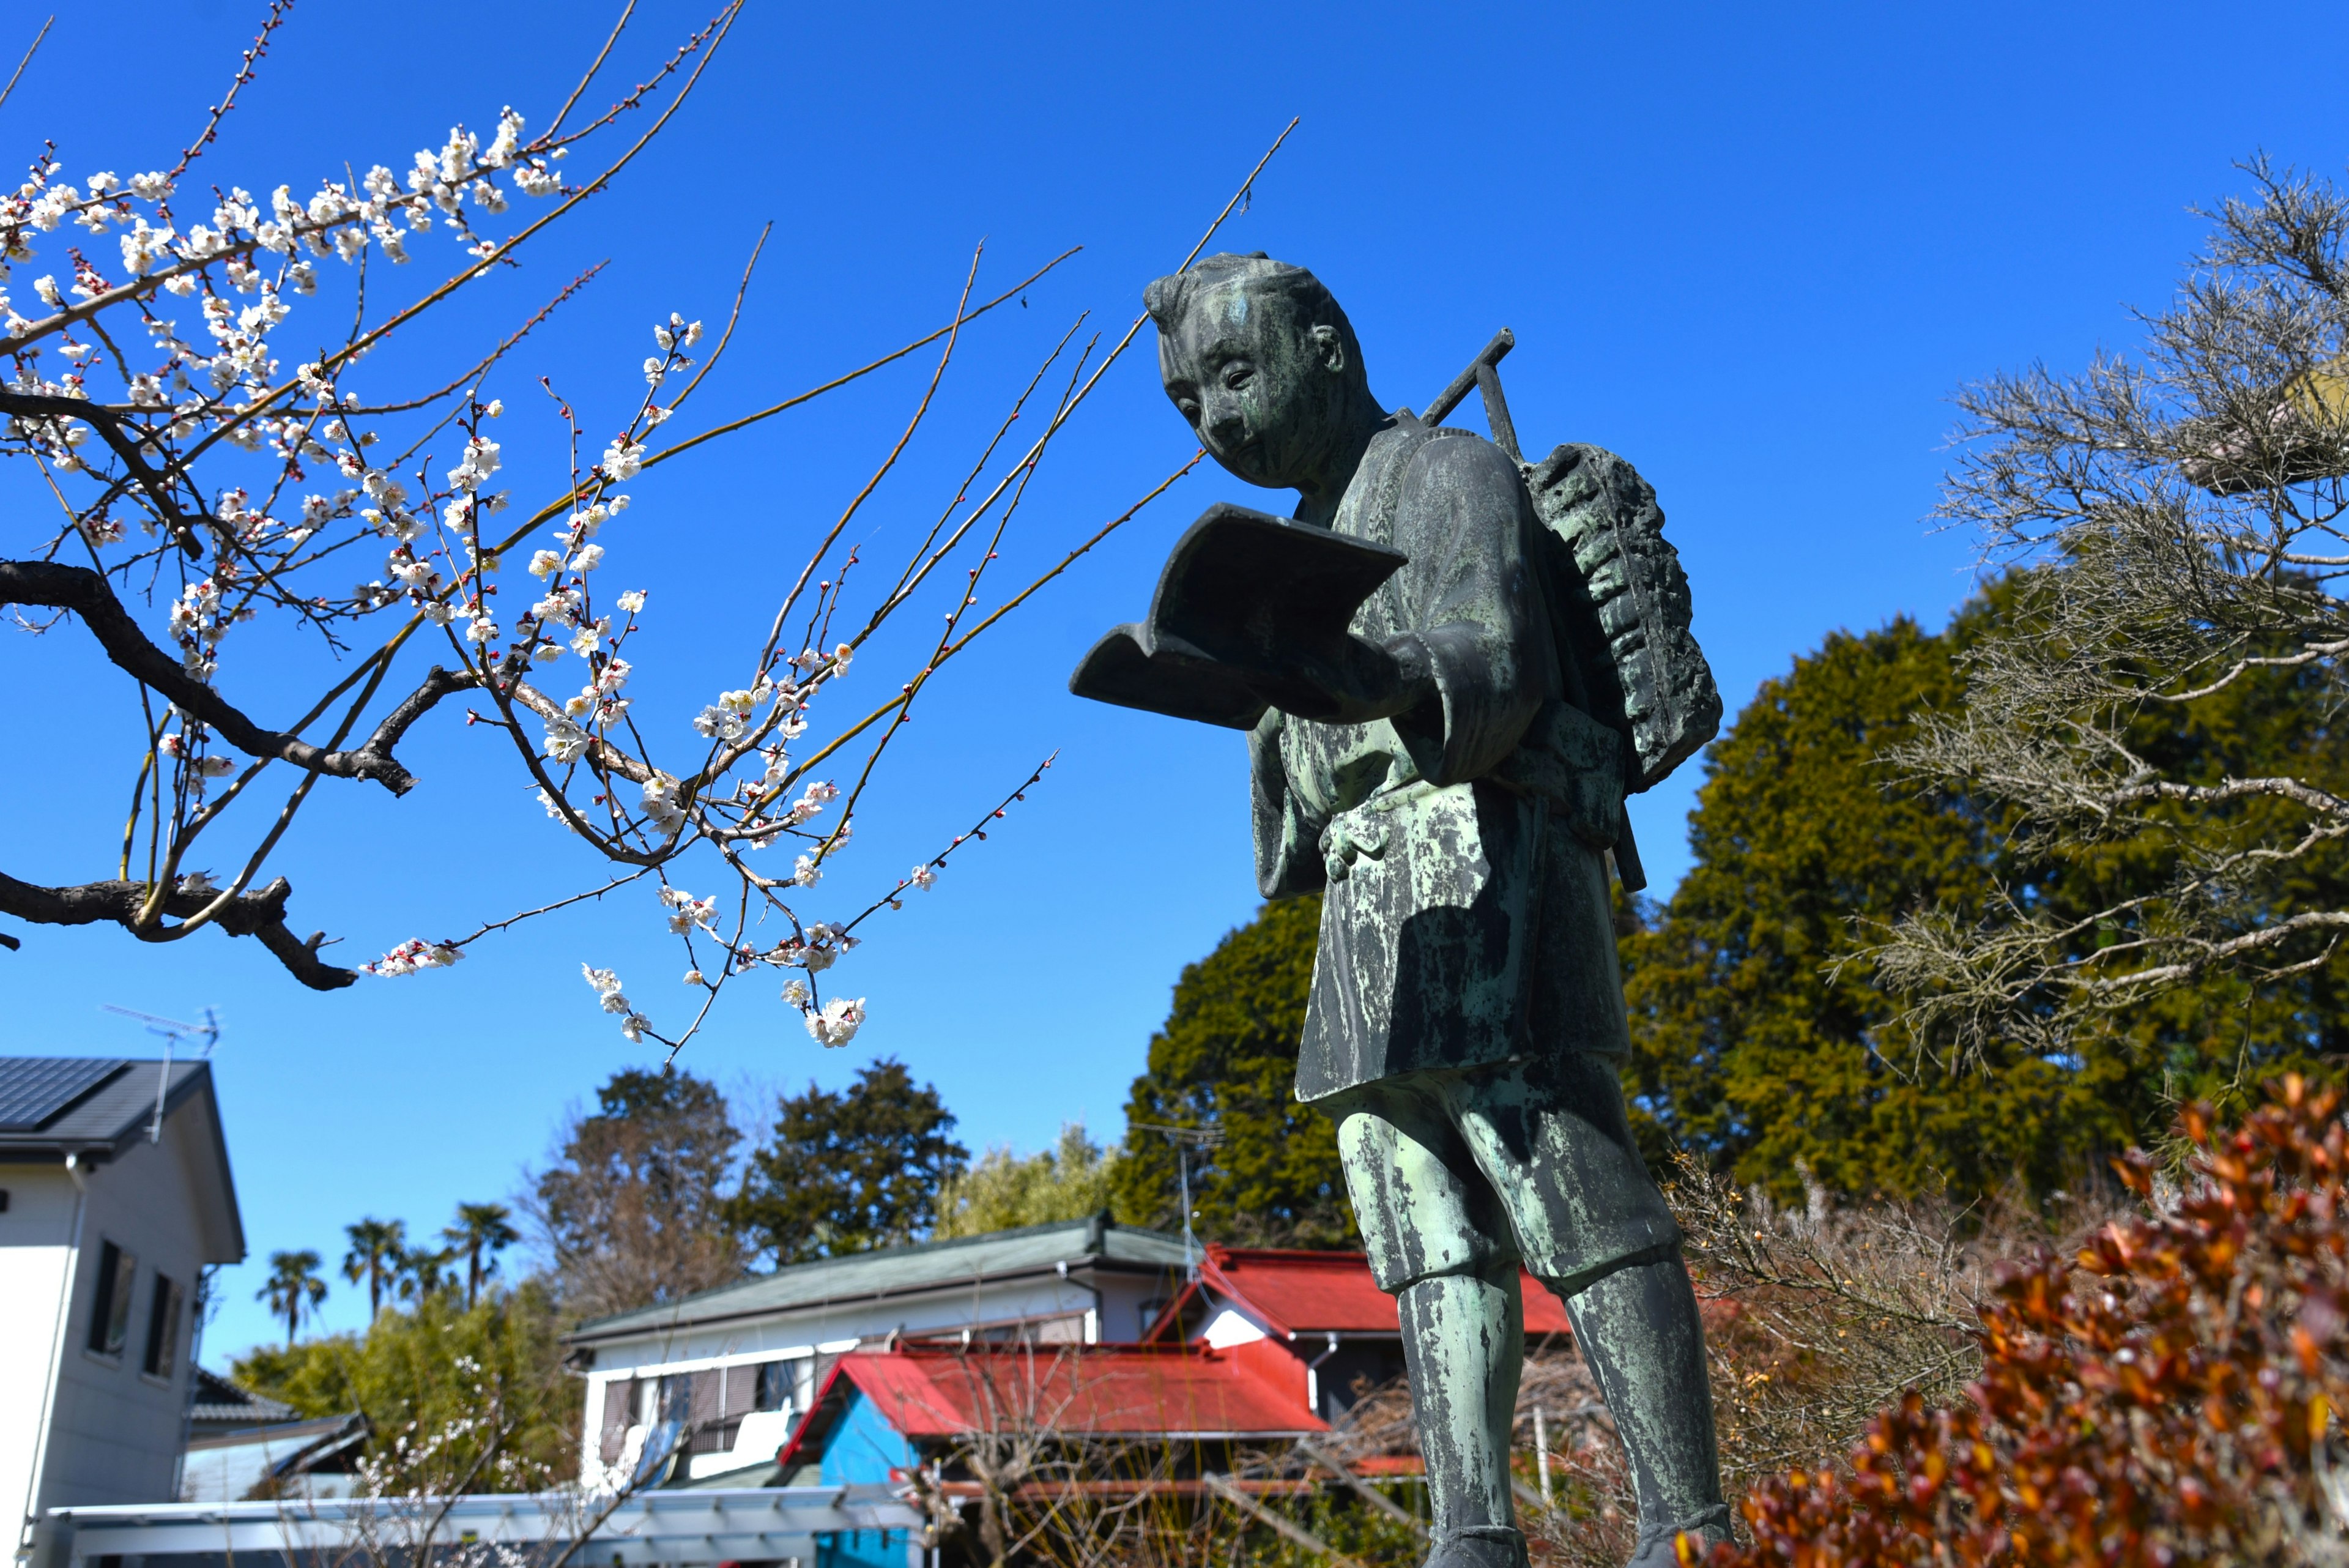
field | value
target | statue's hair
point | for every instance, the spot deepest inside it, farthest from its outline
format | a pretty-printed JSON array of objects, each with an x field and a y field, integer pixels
[{"x": 1169, "y": 299}]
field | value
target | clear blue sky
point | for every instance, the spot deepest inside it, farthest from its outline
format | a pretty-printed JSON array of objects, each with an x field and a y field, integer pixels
[{"x": 1751, "y": 248}]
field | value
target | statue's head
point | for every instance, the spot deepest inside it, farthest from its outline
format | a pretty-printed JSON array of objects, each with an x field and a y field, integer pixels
[{"x": 1258, "y": 357}]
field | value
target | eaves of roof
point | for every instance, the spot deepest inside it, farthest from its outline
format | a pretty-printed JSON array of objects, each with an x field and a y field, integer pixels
[
  {"x": 110, "y": 1122},
  {"x": 897, "y": 1273}
]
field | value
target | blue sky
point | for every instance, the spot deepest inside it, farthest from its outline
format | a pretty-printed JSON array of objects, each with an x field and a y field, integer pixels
[{"x": 1752, "y": 249}]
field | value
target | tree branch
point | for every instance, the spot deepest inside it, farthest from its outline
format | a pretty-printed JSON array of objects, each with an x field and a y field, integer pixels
[
  {"x": 260, "y": 914},
  {"x": 87, "y": 594}
]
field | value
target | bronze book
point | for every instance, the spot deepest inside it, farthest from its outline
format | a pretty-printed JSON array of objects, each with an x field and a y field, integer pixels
[{"x": 1247, "y": 603}]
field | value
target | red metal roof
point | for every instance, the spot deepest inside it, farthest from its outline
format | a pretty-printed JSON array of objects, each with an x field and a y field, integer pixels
[
  {"x": 1104, "y": 1390},
  {"x": 1293, "y": 1292}
]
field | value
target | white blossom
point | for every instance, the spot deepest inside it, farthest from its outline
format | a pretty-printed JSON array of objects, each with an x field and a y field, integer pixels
[
  {"x": 660, "y": 803},
  {"x": 565, "y": 742},
  {"x": 415, "y": 954},
  {"x": 837, "y": 1024},
  {"x": 623, "y": 460},
  {"x": 924, "y": 876}
]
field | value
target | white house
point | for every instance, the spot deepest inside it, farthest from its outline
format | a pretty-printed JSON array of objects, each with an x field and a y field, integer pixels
[
  {"x": 115, "y": 1194},
  {"x": 736, "y": 1368}
]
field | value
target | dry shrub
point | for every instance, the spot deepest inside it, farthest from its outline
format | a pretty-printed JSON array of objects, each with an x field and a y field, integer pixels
[{"x": 2168, "y": 1396}]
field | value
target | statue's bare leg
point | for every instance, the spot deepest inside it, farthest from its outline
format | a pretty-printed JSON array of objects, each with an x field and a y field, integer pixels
[
  {"x": 1464, "y": 1345},
  {"x": 1639, "y": 1330}
]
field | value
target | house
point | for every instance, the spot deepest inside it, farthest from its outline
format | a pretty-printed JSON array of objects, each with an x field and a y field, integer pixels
[
  {"x": 115, "y": 1194},
  {"x": 734, "y": 1369},
  {"x": 1337, "y": 1334},
  {"x": 242, "y": 1444},
  {"x": 1172, "y": 1412}
]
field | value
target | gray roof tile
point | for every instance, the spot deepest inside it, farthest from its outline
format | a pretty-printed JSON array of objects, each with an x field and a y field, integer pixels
[{"x": 896, "y": 1271}]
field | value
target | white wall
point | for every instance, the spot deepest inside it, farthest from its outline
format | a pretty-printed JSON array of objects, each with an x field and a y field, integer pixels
[
  {"x": 831, "y": 1328},
  {"x": 113, "y": 1433},
  {"x": 36, "y": 1252}
]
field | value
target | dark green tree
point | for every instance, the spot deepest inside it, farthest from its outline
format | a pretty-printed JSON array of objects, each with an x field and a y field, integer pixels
[
  {"x": 1225, "y": 1061},
  {"x": 848, "y": 1172},
  {"x": 1759, "y": 1045}
]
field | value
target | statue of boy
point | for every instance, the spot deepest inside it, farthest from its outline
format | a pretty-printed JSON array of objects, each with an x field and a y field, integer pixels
[{"x": 1467, "y": 1011}]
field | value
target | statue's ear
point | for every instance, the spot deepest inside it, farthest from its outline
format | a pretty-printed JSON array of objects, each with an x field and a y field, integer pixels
[{"x": 1329, "y": 348}]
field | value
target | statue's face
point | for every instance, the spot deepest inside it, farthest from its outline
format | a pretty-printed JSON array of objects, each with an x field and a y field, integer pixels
[{"x": 1262, "y": 393}]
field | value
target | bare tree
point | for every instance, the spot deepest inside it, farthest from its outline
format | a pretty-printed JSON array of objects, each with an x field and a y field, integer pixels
[
  {"x": 2176, "y": 518},
  {"x": 210, "y": 499}
]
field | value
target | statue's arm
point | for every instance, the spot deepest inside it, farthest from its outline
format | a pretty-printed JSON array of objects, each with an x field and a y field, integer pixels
[
  {"x": 1477, "y": 624},
  {"x": 1287, "y": 840}
]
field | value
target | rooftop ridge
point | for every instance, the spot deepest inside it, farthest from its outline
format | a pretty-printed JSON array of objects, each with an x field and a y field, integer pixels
[{"x": 816, "y": 1267}]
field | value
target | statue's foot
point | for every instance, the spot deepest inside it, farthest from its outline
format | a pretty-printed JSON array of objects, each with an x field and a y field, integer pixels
[
  {"x": 1479, "y": 1546},
  {"x": 1658, "y": 1551}
]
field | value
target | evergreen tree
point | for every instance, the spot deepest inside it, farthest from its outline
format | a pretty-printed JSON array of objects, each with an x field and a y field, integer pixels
[
  {"x": 848, "y": 1172},
  {"x": 439, "y": 1383},
  {"x": 1760, "y": 1046},
  {"x": 1225, "y": 1061}
]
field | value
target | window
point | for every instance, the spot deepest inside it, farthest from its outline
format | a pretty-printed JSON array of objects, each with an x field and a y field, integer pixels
[
  {"x": 163, "y": 1328},
  {"x": 110, "y": 1314},
  {"x": 776, "y": 1384}
]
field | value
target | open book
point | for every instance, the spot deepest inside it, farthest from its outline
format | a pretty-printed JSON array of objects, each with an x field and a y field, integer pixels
[{"x": 1247, "y": 605}]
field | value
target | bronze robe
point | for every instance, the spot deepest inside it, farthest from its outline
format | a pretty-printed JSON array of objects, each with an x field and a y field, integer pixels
[{"x": 1467, "y": 916}]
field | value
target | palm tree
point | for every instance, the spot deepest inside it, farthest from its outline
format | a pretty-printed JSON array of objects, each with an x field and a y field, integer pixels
[
  {"x": 422, "y": 1272},
  {"x": 479, "y": 1234},
  {"x": 377, "y": 1248},
  {"x": 293, "y": 1290}
]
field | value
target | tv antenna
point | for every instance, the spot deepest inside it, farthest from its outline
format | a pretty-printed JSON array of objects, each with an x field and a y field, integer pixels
[
  {"x": 173, "y": 1032},
  {"x": 1185, "y": 1140}
]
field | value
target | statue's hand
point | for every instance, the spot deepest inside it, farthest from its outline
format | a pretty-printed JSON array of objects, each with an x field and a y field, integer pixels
[{"x": 1364, "y": 680}]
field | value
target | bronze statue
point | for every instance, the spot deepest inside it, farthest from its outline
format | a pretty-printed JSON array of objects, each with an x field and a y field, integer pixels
[{"x": 1451, "y": 666}]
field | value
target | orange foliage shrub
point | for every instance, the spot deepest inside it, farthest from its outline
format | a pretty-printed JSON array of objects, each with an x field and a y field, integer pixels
[{"x": 2169, "y": 1396}]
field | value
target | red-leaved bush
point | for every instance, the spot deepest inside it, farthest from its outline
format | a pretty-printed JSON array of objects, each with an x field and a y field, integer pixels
[{"x": 2169, "y": 1396}]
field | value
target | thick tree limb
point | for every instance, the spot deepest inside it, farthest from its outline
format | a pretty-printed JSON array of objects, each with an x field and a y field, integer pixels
[
  {"x": 108, "y": 424},
  {"x": 260, "y": 913},
  {"x": 87, "y": 594}
]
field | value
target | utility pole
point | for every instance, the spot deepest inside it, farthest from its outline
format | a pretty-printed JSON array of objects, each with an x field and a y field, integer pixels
[{"x": 1185, "y": 1140}]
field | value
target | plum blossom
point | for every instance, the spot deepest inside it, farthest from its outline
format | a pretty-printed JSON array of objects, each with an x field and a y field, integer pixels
[
  {"x": 806, "y": 872},
  {"x": 660, "y": 803},
  {"x": 623, "y": 460},
  {"x": 632, "y": 602},
  {"x": 923, "y": 876},
  {"x": 565, "y": 742},
  {"x": 413, "y": 955},
  {"x": 607, "y": 984},
  {"x": 686, "y": 911},
  {"x": 545, "y": 562},
  {"x": 837, "y": 1024}
]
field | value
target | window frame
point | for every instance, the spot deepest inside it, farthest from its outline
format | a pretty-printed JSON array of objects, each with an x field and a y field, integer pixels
[
  {"x": 111, "y": 1302},
  {"x": 167, "y": 1301}
]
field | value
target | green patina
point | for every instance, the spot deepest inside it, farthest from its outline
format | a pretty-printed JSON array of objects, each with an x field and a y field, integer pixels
[{"x": 1455, "y": 800}]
